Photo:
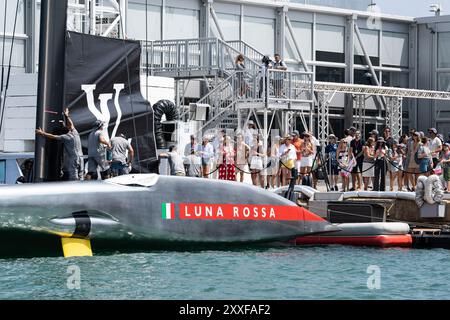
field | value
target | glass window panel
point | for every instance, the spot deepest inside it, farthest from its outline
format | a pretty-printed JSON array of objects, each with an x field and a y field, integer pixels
[
  {"x": 444, "y": 49},
  {"x": 395, "y": 49},
  {"x": 330, "y": 38},
  {"x": 10, "y": 15},
  {"x": 18, "y": 53},
  {"x": 303, "y": 35},
  {"x": 182, "y": 23},
  {"x": 364, "y": 77},
  {"x": 370, "y": 39},
  {"x": 260, "y": 34},
  {"x": 328, "y": 74},
  {"x": 229, "y": 24},
  {"x": 444, "y": 81},
  {"x": 395, "y": 79},
  {"x": 136, "y": 21}
]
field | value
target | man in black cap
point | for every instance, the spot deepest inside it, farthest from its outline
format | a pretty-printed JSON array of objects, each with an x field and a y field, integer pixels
[
  {"x": 388, "y": 137},
  {"x": 374, "y": 134},
  {"x": 435, "y": 146},
  {"x": 97, "y": 145}
]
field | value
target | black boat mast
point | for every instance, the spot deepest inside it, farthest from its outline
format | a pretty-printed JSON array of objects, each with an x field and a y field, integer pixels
[{"x": 50, "y": 98}]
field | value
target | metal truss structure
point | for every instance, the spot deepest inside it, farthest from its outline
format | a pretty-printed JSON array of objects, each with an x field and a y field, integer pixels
[{"x": 393, "y": 97}]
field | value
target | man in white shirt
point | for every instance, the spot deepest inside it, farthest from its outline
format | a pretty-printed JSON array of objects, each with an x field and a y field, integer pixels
[
  {"x": 206, "y": 152},
  {"x": 249, "y": 133},
  {"x": 189, "y": 149}
]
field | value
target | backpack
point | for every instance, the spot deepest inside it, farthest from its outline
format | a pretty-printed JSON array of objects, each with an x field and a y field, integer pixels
[{"x": 416, "y": 157}]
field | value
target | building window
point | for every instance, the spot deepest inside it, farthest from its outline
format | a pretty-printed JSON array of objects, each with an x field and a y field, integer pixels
[
  {"x": 136, "y": 21},
  {"x": 303, "y": 35},
  {"x": 395, "y": 79},
  {"x": 260, "y": 34},
  {"x": 330, "y": 43},
  {"x": 395, "y": 49},
  {"x": 10, "y": 14},
  {"x": 363, "y": 77},
  {"x": 327, "y": 74},
  {"x": 18, "y": 53},
  {"x": 444, "y": 50},
  {"x": 444, "y": 81},
  {"x": 182, "y": 23},
  {"x": 370, "y": 39},
  {"x": 229, "y": 25}
]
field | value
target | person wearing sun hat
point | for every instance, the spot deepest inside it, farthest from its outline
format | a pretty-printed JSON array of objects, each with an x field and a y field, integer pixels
[{"x": 288, "y": 155}]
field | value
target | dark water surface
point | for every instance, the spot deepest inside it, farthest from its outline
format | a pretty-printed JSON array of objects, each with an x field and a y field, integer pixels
[{"x": 334, "y": 272}]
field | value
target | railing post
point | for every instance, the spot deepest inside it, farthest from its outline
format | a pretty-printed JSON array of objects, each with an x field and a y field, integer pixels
[
  {"x": 186, "y": 54},
  {"x": 290, "y": 86},
  {"x": 267, "y": 87},
  {"x": 152, "y": 57},
  {"x": 163, "y": 56},
  {"x": 217, "y": 53}
]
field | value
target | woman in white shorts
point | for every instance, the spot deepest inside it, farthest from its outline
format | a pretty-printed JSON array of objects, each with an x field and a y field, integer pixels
[{"x": 368, "y": 162}]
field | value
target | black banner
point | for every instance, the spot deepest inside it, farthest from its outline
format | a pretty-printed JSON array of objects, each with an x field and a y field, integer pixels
[{"x": 102, "y": 82}]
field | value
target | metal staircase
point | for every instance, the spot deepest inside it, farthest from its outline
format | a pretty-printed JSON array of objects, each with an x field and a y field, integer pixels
[{"x": 213, "y": 61}]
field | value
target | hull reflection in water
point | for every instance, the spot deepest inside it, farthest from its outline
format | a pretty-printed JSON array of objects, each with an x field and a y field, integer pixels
[{"x": 148, "y": 211}]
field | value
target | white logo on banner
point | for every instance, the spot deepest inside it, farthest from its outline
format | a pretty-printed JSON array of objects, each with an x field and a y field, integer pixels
[{"x": 103, "y": 114}]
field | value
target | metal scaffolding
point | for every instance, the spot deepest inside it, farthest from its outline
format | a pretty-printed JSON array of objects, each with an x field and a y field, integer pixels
[
  {"x": 394, "y": 115},
  {"x": 98, "y": 17},
  {"x": 381, "y": 91},
  {"x": 359, "y": 106}
]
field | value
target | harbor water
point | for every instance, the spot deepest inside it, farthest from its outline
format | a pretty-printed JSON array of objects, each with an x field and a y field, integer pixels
[{"x": 334, "y": 272}]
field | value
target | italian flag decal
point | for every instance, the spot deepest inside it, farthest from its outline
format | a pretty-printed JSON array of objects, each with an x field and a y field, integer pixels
[{"x": 168, "y": 211}]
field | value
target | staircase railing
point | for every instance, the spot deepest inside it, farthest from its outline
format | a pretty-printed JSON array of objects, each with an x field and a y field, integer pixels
[
  {"x": 246, "y": 49},
  {"x": 290, "y": 86},
  {"x": 204, "y": 54}
]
